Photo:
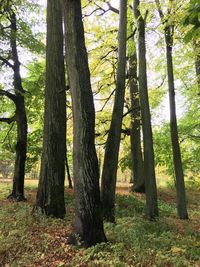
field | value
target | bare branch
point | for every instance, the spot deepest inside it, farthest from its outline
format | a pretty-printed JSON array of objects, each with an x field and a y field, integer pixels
[
  {"x": 146, "y": 15},
  {"x": 9, "y": 95},
  {"x": 8, "y": 120},
  {"x": 107, "y": 101},
  {"x": 95, "y": 10},
  {"x": 5, "y": 61},
  {"x": 158, "y": 5},
  {"x": 111, "y": 8}
]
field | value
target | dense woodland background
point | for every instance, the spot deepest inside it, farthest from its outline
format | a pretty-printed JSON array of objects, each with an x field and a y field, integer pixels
[{"x": 115, "y": 104}]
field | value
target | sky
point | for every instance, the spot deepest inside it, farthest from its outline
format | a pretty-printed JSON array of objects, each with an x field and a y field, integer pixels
[{"x": 152, "y": 38}]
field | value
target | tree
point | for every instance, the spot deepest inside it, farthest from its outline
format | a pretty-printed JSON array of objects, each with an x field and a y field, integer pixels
[
  {"x": 50, "y": 194},
  {"x": 135, "y": 136},
  {"x": 197, "y": 62},
  {"x": 88, "y": 215},
  {"x": 18, "y": 99},
  {"x": 179, "y": 176},
  {"x": 149, "y": 169},
  {"x": 113, "y": 141}
]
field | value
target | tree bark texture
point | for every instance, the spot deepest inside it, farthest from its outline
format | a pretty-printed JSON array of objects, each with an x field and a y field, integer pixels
[
  {"x": 135, "y": 135},
  {"x": 20, "y": 116},
  {"x": 149, "y": 168},
  {"x": 179, "y": 176},
  {"x": 50, "y": 195},
  {"x": 110, "y": 164},
  {"x": 88, "y": 214}
]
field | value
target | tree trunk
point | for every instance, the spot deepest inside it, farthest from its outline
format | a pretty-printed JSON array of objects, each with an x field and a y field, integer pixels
[
  {"x": 50, "y": 195},
  {"x": 88, "y": 217},
  {"x": 149, "y": 168},
  {"x": 136, "y": 151},
  {"x": 68, "y": 174},
  {"x": 197, "y": 62},
  {"x": 21, "y": 120},
  {"x": 180, "y": 185},
  {"x": 110, "y": 165}
]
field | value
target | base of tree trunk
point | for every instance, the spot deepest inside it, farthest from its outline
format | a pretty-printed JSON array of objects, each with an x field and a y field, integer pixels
[
  {"x": 16, "y": 197},
  {"x": 109, "y": 215},
  {"x": 186, "y": 217},
  {"x": 37, "y": 209},
  {"x": 138, "y": 189},
  {"x": 76, "y": 240}
]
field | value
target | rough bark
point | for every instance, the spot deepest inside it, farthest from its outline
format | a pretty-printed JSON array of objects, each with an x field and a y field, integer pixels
[
  {"x": 20, "y": 117},
  {"x": 88, "y": 216},
  {"x": 50, "y": 195},
  {"x": 178, "y": 168},
  {"x": 149, "y": 168},
  {"x": 110, "y": 164},
  {"x": 135, "y": 135}
]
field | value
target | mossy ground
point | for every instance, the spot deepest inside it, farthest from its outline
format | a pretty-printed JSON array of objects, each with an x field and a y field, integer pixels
[{"x": 27, "y": 240}]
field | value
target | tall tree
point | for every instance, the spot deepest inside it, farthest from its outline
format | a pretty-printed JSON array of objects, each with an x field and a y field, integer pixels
[
  {"x": 135, "y": 135},
  {"x": 149, "y": 168},
  {"x": 88, "y": 215},
  {"x": 179, "y": 176},
  {"x": 50, "y": 195},
  {"x": 18, "y": 99},
  {"x": 109, "y": 172}
]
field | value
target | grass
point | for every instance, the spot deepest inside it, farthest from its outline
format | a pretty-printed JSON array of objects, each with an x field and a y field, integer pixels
[{"x": 28, "y": 240}]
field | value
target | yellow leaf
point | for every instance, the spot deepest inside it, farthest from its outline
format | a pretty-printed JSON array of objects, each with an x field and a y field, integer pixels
[{"x": 177, "y": 250}]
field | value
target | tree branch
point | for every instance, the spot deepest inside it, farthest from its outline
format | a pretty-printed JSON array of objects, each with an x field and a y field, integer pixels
[
  {"x": 9, "y": 95},
  {"x": 7, "y": 62},
  {"x": 107, "y": 101},
  {"x": 111, "y": 8},
  {"x": 8, "y": 120},
  {"x": 158, "y": 5},
  {"x": 95, "y": 10},
  {"x": 8, "y": 133}
]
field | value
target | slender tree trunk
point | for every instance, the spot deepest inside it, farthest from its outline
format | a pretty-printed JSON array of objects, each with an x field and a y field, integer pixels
[
  {"x": 197, "y": 62},
  {"x": 110, "y": 165},
  {"x": 21, "y": 120},
  {"x": 68, "y": 174},
  {"x": 149, "y": 168},
  {"x": 88, "y": 217},
  {"x": 136, "y": 151},
  {"x": 50, "y": 195},
  {"x": 179, "y": 176},
  {"x": 180, "y": 185}
]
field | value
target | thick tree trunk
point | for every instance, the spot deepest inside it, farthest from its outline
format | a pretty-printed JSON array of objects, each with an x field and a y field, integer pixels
[
  {"x": 110, "y": 165},
  {"x": 180, "y": 185},
  {"x": 135, "y": 136},
  {"x": 50, "y": 195},
  {"x": 149, "y": 168},
  {"x": 21, "y": 120},
  {"x": 21, "y": 146},
  {"x": 88, "y": 217}
]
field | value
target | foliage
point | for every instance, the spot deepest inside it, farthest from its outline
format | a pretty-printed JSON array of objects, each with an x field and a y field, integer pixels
[
  {"x": 41, "y": 241},
  {"x": 192, "y": 18}
]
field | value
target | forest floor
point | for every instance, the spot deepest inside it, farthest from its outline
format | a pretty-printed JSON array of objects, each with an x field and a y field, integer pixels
[{"x": 37, "y": 241}]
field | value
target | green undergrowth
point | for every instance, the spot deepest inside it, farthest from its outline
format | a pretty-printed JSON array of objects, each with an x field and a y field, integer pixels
[{"x": 28, "y": 240}]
